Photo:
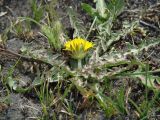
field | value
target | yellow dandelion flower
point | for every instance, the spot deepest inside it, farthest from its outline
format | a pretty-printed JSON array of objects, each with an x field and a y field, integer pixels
[{"x": 78, "y": 47}]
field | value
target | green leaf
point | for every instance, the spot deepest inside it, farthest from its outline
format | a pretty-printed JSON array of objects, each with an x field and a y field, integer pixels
[
  {"x": 151, "y": 82},
  {"x": 11, "y": 83},
  {"x": 89, "y": 9},
  {"x": 147, "y": 78},
  {"x": 101, "y": 8},
  {"x": 115, "y": 7},
  {"x": 53, "y": 34},
  {"x": 37, "y": 10}
]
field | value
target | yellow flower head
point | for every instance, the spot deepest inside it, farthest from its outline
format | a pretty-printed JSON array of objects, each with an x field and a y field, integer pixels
[{"x": 78, "y": 47}]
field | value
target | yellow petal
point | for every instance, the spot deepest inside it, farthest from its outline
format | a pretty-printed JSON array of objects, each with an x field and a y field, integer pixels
[{"x": 78, "y": 47}]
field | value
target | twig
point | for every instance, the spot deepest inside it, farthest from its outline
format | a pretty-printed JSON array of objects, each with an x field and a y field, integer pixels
[
  {"x": 10, "y": 10},
  {"x": 29, "y": 59},
  {"x": 149, "y": 25}
]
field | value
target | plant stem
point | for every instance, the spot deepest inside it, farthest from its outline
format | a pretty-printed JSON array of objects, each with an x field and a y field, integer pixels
[
  {"x": 79, "y": 63},
  {"x": 91, "y": 28}
]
